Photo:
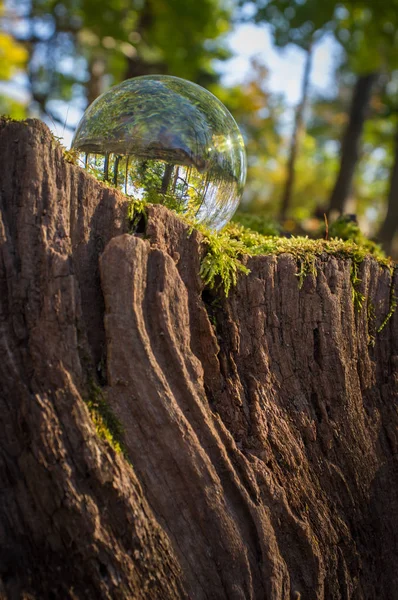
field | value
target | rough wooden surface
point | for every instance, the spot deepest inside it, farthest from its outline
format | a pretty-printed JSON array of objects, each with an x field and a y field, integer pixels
[
  {"x": 262, "y": 429},
  {"x": 74, "y": 522}
]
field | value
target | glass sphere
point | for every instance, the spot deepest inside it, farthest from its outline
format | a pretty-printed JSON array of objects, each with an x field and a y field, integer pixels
[{"x": 166, "y": 140}]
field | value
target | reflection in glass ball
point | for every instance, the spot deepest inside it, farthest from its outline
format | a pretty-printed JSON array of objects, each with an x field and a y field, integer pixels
[{"x": 166, "y": 140}]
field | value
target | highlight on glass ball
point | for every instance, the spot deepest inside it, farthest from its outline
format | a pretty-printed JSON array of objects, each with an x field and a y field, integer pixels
[{"x": 166, "y": 140}]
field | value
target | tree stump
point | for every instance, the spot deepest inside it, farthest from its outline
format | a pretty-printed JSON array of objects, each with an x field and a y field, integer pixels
[{"x": 260, "y": 430}]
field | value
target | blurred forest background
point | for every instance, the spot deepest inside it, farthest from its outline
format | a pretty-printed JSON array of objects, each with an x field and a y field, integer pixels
[{"x": 334, "y": 152}]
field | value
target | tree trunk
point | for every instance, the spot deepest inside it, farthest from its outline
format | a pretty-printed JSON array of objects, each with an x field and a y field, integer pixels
[
  {"x": 166, "y": 179},
  {"x": 390, "y": 225},
  {"x": 137, "y": 65},
  {"x": 350, "y": 147},
  {"x": 261, "y": 429},
  {"x": 96, "y": 69},
  {"x": 298, "y": 131}
]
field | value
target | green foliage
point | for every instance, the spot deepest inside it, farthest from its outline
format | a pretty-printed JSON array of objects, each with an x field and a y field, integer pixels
[
  {"x": 367, "y": 31},
  {"x": 188, "y": 34},
  {"x": 294, "y": 21},
  {"x": 13, "y": 59},
  {"x": 135, "y": 212},
  {"x": 347, "y": 228},
  {"x": 223, "y": 259},
  {"x": 12, "y": 108},
  {"x": 123, "y": 39},
  {"x": 258, "y": 114},
  {"x": 260, "y": 224},
  {"x": 108, "y": 427},
  {"x": 70, "y": 156}
]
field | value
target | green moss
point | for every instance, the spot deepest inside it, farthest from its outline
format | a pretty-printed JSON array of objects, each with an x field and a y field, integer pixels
[
  {"x": 357, "y": 297},
  {"x": 71, "y": 155},
  {"x": 223, "y": 260},
  {"x": 107, "y": 426},
  {"x": 393, "y": 306},
  {"x": 135, "y": 212},
  {"x": 7, "y": 119},
  {"x": 306, "y": 252},
  {"x": 371, "y": 318},
  {"x": 346, "y": 228},
  {"x": 227, "y": 249}
]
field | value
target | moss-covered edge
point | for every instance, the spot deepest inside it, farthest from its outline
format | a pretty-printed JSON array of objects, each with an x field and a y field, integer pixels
[
  {"x": 227, "y": 249},
  {"x": 236, "y": 241}
]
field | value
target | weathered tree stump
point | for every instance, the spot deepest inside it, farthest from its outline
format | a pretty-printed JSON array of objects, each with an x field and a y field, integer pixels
[{"x": 261, "y": 430}]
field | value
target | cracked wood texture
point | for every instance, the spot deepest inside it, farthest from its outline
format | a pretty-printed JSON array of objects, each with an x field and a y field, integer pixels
[{"x": 261, "y": 429}]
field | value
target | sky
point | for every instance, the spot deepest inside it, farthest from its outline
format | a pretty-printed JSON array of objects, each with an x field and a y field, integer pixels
[{"x": 286, "y": 66}]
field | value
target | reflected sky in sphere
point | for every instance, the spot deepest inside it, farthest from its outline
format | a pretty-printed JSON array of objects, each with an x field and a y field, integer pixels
[{"x": 166, "y": 140}]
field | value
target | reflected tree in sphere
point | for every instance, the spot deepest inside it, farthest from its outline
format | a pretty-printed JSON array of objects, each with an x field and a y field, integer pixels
[{"x": 166, "y": 140}]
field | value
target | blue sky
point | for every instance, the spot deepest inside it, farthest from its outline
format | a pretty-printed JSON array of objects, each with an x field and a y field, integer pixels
[{"x": 286, "y": 67}]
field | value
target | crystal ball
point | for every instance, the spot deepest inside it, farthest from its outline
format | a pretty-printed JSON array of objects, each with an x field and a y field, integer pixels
[{"x": 166, "y": 140}]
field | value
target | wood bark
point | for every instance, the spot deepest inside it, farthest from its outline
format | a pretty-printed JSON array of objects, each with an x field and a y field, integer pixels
[
  {"x": 261, "y": 429},
  {"x": 298, "y": 131},
  {"x": 74, "y": 522},
  {"x": 350, "y": 146},
  {"x": 390, "y": 225}
]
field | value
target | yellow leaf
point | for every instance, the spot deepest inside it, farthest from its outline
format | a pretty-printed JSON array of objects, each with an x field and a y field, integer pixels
[{"x": 13, "y": 56}]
